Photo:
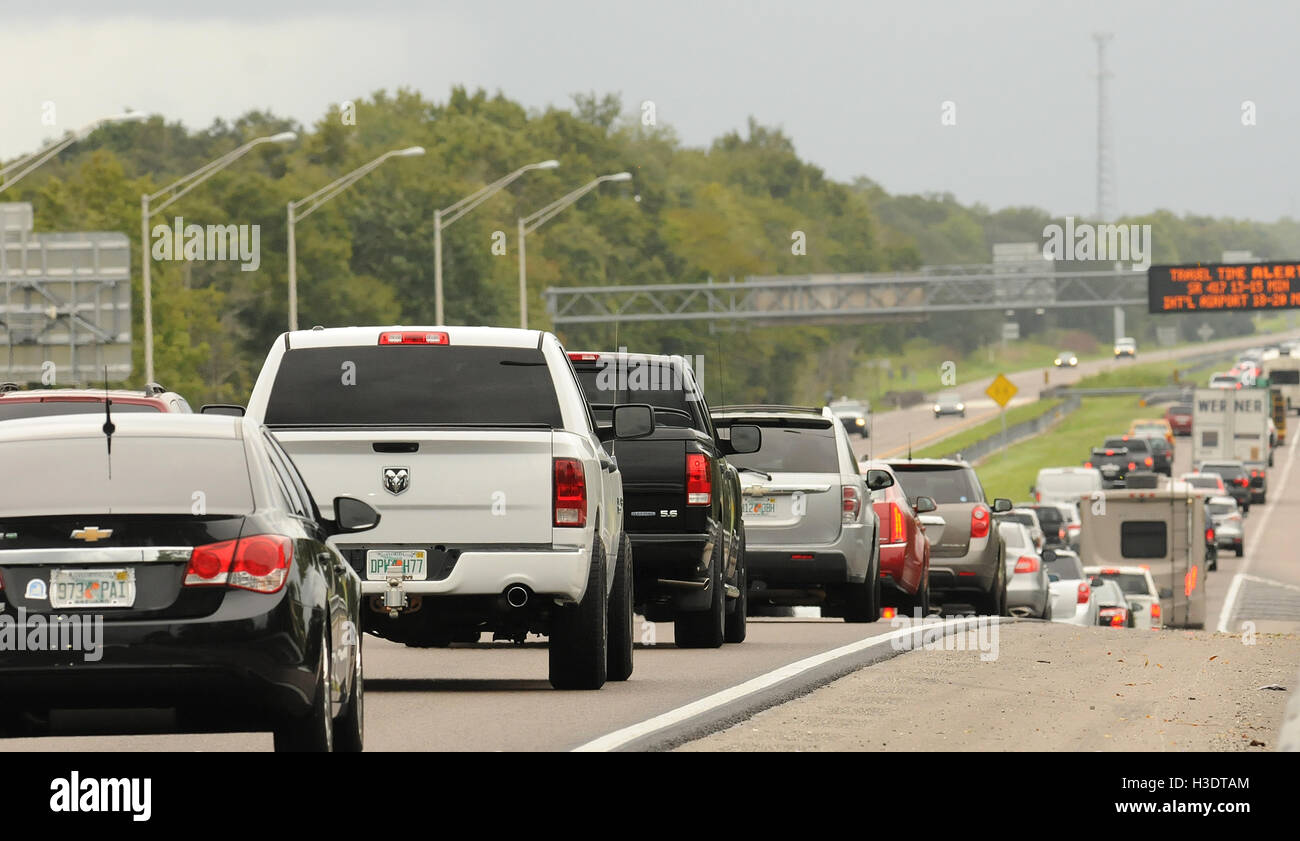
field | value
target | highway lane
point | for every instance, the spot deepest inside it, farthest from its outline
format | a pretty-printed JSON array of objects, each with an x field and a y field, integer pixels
[{"x": 891, "y": 430}]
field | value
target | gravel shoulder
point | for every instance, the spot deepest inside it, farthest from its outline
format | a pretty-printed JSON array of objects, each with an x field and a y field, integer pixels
[{"x": 1051, "y": 687}]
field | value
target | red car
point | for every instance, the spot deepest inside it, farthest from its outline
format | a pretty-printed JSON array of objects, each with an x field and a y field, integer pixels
[
  {"x": 904, "y": 548},
  {"x": 1179, "y": 417},
  {"x": 17, "y": 402}
]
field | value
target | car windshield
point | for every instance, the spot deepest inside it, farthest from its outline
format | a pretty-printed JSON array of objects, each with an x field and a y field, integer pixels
[
  {"x": 1130, "y": 583},
  {"x": 1050, "y": 517},
  {"x": 1133, "y": 445},
  {"x": 1203, "y": 481},
  {"x": 1222, "y": 508},
  {"x": 1067, "y": 567},
  {"x": 1015, "y": 535},
  {"x": 1230, "y": 471},
  {"x": 1019, "y": 517},
  {"x": 414, "y": 385},
  {"x": 791, "y": 450},
  {"x": 944, "y": 484},
  {"x": 13, "y": 410},
  {"x": 949, "y": 397}
]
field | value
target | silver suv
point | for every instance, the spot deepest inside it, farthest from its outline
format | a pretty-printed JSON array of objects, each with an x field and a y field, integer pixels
[
  {"x": 810, "y": 531},
  {"x": 967, "y": 566}
]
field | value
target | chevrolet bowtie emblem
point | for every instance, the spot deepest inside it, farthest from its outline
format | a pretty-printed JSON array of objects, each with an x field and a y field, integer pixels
[{"x": 92, "y": 533}]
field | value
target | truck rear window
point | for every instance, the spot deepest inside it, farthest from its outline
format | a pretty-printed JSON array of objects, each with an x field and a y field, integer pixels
[
  {"x": 943, "y": 484},
  {"x": 1143, "y": 539},
  {"x": 25, "y": 409},
  {"x": 413, "y": 385}
]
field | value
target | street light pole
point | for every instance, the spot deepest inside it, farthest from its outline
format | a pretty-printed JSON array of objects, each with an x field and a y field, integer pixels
[
  {"x": 314, "y": 201},
  {"x": 35, "y": 159},
  {"x": 459, "y": 209},
  {"x": 533, "y": 221},
  {"x": 182, "y": 186}
]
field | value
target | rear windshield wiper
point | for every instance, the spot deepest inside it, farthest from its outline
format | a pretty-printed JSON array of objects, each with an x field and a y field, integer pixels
[{"x": 767, "y": 476}]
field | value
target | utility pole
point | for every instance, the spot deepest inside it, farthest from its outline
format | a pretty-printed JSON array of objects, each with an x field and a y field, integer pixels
[{"x": 1105, "y": 160}]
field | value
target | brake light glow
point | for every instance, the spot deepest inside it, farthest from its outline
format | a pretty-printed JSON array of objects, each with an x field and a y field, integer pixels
[
  {"x": 584, "y": 357},
  {"x": 1110, "y": 452},
  {"x": 1132, "y": 466},
  {"x": 1084, "y": 593},
  {"x": 888, "y": 613},
  {"x": 979, "y": 521},
  {"x": 412, "y": 337},
  {"x": 570, "y": 494},
  {"x": 259, "y": 563},
  {"x": 699, "y": 480},
  {"x": 1148, "y": 462},
  {"x": 1209, "y": 535},
  {"x": 850, "y": 503},
  {"x": 1155, "y": 611},
  {"x": 801, "y": 557},
  {"x": 1085, "y": 464}
]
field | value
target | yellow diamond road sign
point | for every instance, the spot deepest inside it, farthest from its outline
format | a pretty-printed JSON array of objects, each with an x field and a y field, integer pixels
[{"x": 1001, "y": 390}]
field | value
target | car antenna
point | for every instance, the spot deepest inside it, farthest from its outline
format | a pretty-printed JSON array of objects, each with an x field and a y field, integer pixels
[
  {"x": 722, "y": 383},
  {"x": 109, "y": 427},
  {"x": 909, "y": 446}
]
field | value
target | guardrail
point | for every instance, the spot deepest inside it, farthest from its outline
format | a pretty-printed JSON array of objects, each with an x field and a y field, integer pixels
[{"x": 1017, "y": 432}]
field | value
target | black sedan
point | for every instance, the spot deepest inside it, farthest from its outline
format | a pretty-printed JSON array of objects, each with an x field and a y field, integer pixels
[{"x": 175, "y": 563}]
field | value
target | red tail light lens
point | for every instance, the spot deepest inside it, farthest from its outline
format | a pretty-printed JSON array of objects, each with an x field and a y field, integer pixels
[
  {"x": 1084, "y": 592},
  {"x": 411, "y": 337},
  {"x": 850, "y": 504},
  {"x": 1209, "y": 535},
  {"x": 1027, "y": 563},
  {"x": 699, "y": 480},
  {"x": 1060, "y": 533},
  {"x": 1155, "y": 611},
  {"x": 1132, "y": 466},
  {"x": 570, "y": 500},
  {"x": 1148, "y": 462},
  {"x": 259, "y": 563},
  {"x": 584, "y": 357},
  {"x": 896, "y": 532},
  {"x": 1085, "y": 464},
  {"x": 979, "y": 521}
]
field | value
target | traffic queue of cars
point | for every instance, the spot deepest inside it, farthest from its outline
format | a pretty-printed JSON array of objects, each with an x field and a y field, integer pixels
[{"x": 479, "y": 481}]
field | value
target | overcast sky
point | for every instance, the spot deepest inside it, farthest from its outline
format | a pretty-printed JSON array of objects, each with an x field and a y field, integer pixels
[{"x": 858, "y": 85}]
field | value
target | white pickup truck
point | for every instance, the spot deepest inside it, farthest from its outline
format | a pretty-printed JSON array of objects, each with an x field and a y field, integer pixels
[{"x": 502, "y": 512}]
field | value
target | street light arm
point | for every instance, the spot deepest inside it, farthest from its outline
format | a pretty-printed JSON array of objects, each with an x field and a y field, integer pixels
[
  {"x": 535, "y": 220},
  {"x": 452, "y": 213},
  {"x": 335, "y": 187},
  {"x": 202, "y": 174},
  {"x": 33, "y": 161}
]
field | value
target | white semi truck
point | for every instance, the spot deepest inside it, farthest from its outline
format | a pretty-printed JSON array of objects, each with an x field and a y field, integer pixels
[{"x": 1230, "y": 425}]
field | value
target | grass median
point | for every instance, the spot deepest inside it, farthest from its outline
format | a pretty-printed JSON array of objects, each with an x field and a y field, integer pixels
[{"x": 988, "y": 429}]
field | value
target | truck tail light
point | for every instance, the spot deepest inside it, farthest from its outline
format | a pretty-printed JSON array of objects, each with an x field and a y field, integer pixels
[
  {"x": 570, "y": 494},
  {"x": 850, "y": 504},
  {"x": 259, "y": 563},
  {"x": 1148, "y": 462},
  {"x": 412, "y": 337},
  {"x": 1027, "y": 563},
  {"x": 1084, "y": 593},
  {"x": 1155, "y": 612},
  {"x": 699, "y": 480},
  {"x": 584, "y": 357},
  {"x": 1209, "y": 535},
  {"x": 979, "y": 521}
]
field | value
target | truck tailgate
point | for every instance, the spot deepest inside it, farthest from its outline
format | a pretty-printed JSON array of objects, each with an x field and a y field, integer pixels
[{"x": 460, "y": 485}]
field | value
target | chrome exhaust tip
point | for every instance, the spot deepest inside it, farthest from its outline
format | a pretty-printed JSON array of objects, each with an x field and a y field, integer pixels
[{"x": 517, "y": 595}]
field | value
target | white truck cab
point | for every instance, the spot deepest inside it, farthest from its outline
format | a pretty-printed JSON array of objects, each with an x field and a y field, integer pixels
[{"x": 500, "y": 509}]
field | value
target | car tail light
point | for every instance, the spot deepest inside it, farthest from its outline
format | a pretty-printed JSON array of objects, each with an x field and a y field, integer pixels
[
  {"x": 570, "y": 500},
  {"x": 1038, "y": 497},
  {"x": 1073, "y": 527},
  {"x": 1027, "y": 563},
  {"x": 1243, "y": 481},
  {"x": 1148, "y": 462},
  {"x": 1084, "y": 593},
  {"x": 893, "y": 523},
  {"x": 1155, "y": 611},
  {"x": 1132, "y": 466},
  {"x": 259, "y": 563},
  {"x": 1110, "y": 452},
  {"x": 411, "y": 337},
  {"x": 888, "y": 613},
  {"x": 1085, "y": 464},
  {"x": 1116, "y": 617},
  {"x": 1209, "y": 535},
  {"x": 1109, "y": 571},
  {"x": 1060, "y": 534},
  {"x": 979, "y": 521},
  {"x": 584, "y": 357},
  {"x": 699, "y": 480},
  {"x": 850, "y": 504}
]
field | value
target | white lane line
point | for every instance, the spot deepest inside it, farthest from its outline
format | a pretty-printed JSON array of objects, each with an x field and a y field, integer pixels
[
  {"x": 618, "y": 738},
  {"x": 1234, "y": 590}
]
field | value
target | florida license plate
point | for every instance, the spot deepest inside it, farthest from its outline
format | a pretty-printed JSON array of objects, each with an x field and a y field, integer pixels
[
  {"x": 412, "y": 564},
  {"x": 92, "y": 588},
  {"x": 765, "y": 507}
]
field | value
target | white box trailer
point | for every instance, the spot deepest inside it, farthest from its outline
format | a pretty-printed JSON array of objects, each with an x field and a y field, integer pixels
[
  {"x": 1161, "y": 529},
  {"x": 1284, "y": 374},
  {"x": 1230, "y": 424}
]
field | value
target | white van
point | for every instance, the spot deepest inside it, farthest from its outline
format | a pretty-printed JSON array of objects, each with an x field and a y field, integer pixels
[{"x": 1065, "y": 484}]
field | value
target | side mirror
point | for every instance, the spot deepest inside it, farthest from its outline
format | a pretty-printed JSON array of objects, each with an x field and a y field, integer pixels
[
  {"x": 1048, "y": 555},
  {"x": 1001, "y": 505},
  {"x": 1166, "y": 592},
  {"x": 745, "y": 438},
  {"x": 633, "y": 420},
  {"x": 1094, "y": 581},
  {"x": 222, "y": 409},
  {"x": 923, "y": 505},
  {"x": 878, "y": 480},
  {"x": 353, "y": 515}
]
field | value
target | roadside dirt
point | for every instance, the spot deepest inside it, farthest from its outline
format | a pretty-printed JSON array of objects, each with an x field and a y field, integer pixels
[{"x": 1052, "y": 688}]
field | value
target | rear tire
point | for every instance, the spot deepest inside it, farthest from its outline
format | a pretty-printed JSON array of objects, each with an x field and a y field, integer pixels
[
  {"x": 1239, "y": 549},
  {"x": 350, "y": 727},
  {"x": 738, "y": 619},
  {"x": 314, "y": 732},
  {"x": 705, "y": 628},
  {"x": 862, "y": 601},
  {"x": 579, "y": 638},
  {"x": 619, "y": 656}
]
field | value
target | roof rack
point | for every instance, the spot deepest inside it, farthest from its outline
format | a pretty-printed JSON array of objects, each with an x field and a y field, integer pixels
[
  {"x": 153, "y": 389},
  {"x": 766, "y": 407}
]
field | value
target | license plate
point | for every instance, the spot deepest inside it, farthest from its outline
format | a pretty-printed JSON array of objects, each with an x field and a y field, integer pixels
[
  {"x": 761, "y": 507},
  {"x": 92, "y": 588},
  {"x": 413, "y": 564},
  {"x": 1109, "y": 469}
]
